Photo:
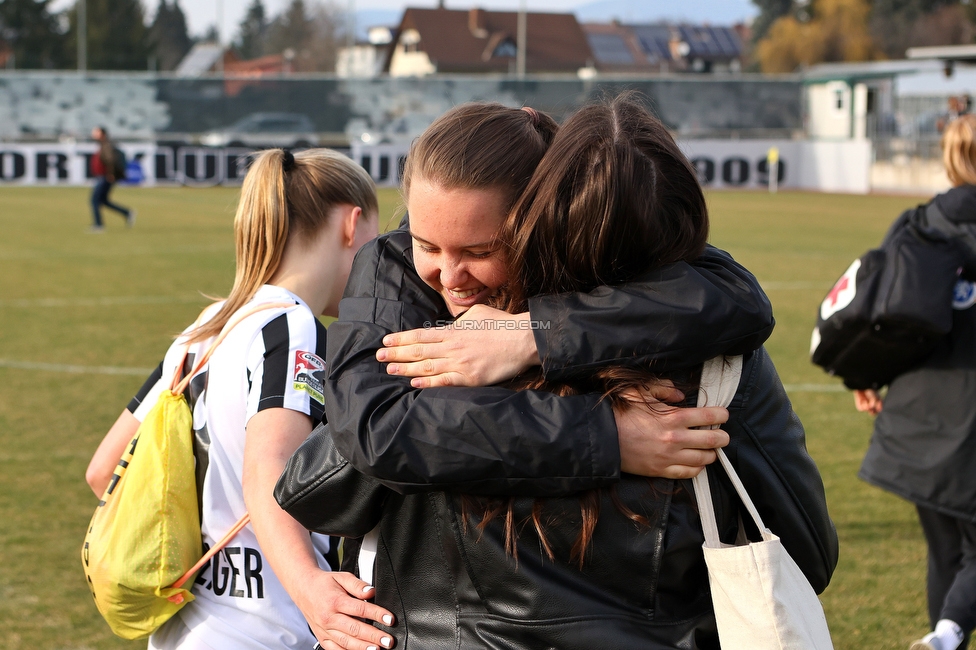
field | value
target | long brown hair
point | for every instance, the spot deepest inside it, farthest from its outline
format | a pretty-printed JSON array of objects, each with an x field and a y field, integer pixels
[
  {"x": 285, "y": 195},
  {"x": 613, "y": 197},
  {"x": 481, "y": 145}
]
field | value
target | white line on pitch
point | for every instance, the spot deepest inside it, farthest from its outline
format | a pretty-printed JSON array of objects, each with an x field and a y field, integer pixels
[
  {"x": 102, "y": 302},
  {"x": 776, "y": 285},
  {"x": 815, "y": 388},
  {"x": 75, "y": 370}
]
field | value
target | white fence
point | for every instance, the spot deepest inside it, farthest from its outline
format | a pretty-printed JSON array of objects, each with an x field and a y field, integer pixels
[
  {"x": 808, "y": 165},
  {"x": 803, "y": 164}
]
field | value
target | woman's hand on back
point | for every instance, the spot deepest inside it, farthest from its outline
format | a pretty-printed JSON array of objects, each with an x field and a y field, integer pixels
[
  {"x": 665, "y": 441},
  {"x": 485, "y": 346},
  {"x": 334, "y": 604},
  {"x": 331, "y": 602}
]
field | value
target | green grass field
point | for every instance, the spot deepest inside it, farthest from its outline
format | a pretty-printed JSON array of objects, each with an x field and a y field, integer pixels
[{"x": 76, "y": 307}]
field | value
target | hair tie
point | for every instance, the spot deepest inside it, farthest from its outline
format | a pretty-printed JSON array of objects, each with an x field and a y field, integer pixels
[
  {"x": 533, "y": 115},
  {"x": 288, "y": 161}
]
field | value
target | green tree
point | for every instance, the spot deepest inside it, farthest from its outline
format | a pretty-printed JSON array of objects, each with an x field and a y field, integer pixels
[
  {"x": 31, "y": 34},
  {"x": 897, "y": 25},
  {"x": 117, "y": 34},
  {"x": 292, "y": 29},
  {"x": 168, "y": 35},
  {"x": 769, "y": 12},
  {"x": 252, "y": 32}
]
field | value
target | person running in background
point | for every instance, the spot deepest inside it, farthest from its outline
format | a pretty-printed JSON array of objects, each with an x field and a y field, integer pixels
[{"x": 107, "y": 167}]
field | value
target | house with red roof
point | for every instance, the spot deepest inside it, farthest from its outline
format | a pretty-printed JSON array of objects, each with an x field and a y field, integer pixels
[{"x": 477, "y": 41}]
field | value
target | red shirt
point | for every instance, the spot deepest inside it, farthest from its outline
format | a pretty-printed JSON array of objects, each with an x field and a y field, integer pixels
[{"x": 96, "y": 165}]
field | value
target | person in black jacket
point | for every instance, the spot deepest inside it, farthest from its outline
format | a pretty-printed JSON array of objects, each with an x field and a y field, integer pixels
[
  {"x": 458, "y": 579},
  {"x": 924, "y": 443}
]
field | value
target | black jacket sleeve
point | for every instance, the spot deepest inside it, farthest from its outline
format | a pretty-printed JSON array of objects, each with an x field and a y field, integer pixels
[
  {"x": 676, "y": 316},
  {"x": 493, "y": 440},
  {"x": 768, "y": 451},
  {"x": 477, "y": 440},
  {"x": 325, "y": 494}
]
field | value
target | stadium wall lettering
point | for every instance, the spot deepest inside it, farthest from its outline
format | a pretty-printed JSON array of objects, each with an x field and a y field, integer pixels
[
  {"x": 842, "y": 166},
  {"x": 147, "y": 164}
]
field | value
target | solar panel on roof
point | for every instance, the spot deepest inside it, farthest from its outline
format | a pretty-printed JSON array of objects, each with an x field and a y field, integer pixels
[
  {"x": 654, "y": 40},
  {"x": 610, "y": 48},
  {"x": 710, "y": 42}
]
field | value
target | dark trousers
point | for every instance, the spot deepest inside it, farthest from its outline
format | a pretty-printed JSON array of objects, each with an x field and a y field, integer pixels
[
  {"x": 99, "y": 197},
  {"x": 951, "y": 582}
]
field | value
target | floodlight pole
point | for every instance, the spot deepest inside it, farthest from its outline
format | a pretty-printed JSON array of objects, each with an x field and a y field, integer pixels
[
  {"x": 520, "y": 38},
  {"x": 351, "y": 27},
  {"x": 220, "y": 20},
  {"x": 82, "y": 25}
]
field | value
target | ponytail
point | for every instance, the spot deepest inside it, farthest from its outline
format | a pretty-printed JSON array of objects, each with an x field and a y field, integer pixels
[{"x": 285, "y": 195}]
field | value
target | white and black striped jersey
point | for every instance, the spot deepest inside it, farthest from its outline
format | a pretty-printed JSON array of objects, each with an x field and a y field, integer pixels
[{"x": 271, "y": 359}]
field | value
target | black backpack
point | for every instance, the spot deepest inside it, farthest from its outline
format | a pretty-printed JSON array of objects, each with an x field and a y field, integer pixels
[
  {"x": 893, "y": 304},
  {"x": 118, "y": 164}
]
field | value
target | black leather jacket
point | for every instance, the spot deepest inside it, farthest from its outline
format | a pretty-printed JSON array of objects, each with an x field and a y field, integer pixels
[{"x": 452, "y": 586}]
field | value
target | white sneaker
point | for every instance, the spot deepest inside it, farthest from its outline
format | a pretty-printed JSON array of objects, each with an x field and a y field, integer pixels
[
  {"x": 130, "y": 220},
  {"x": 928, "y": 642},
  {"x": 95, "y": 230}
]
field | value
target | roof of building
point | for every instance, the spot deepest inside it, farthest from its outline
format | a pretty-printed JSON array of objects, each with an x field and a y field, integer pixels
[
  {"x": 627, "y": 46},
  {"x": 201, "y": 58},
  {"x": 477, "y": 40},
  {"x": 709, "y": 42},
  {"x": 268, "y": 64},
  {"x": 862, "y": 70},
  {"x": 616, "y": 46},
  {"x": 943, "y": 53}
]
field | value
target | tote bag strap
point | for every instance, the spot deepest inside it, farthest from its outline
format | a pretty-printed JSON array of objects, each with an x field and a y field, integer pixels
[
  {"x": 367, "y": 555},
  {"x": 719, "y": 381}
]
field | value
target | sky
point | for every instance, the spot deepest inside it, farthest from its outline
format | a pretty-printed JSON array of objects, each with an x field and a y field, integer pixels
[{"x": 201, "y": 14}]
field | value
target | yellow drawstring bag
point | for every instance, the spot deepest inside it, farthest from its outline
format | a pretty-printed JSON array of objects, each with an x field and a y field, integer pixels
[
  {"x": 158, "y": 528},
  {"x": 144, "y": 543}
]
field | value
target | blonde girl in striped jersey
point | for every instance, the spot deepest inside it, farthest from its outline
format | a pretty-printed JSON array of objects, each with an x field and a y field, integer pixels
[{"x": 300, "y": 221}]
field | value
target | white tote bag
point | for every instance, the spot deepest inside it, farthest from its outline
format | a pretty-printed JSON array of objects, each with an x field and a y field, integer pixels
[{"x": 762, "y": 600}]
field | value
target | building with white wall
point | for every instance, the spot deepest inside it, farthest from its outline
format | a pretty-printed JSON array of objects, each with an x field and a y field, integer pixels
[
  {"x": 365, "y": 60},
  {"x": 897, "y": 106}
]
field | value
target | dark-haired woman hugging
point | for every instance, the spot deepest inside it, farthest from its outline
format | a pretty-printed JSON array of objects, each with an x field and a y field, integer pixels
[{"x": 506, "y": 527}]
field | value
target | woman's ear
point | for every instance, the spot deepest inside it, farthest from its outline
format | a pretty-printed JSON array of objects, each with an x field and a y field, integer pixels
[{"x": 350, "y": 220}]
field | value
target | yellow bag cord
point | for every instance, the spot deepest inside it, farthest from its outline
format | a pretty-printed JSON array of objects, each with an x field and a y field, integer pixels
[{"x": 177, "y": 388}]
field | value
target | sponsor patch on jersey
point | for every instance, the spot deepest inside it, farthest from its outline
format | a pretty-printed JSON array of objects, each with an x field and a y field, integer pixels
[
  {"x": 309, "y": 375},
  {"x": 842, "y": 294},
  {"x": 964, "y": 295}
]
